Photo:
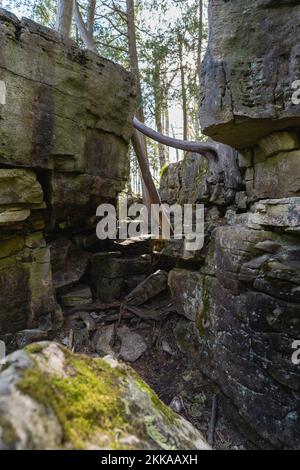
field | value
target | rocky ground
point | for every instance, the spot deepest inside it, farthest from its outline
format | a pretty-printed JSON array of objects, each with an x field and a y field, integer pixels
[{"x": 145, "y": 330}]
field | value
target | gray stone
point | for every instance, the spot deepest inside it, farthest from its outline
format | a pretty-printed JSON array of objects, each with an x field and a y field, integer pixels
[
  {"x": 132, "y": 344},
  {"x": 110, "y": 273},
  {"x": 186, "y": 290},
  {"x": 247, "y": 78},
  {"x": 149, "y": 288},
  {"x": 276, "y": 213},
  {"x": 252, "y": 311},
  {"x": 77, "y": 106},
  {"x": 104, "y": 340}
]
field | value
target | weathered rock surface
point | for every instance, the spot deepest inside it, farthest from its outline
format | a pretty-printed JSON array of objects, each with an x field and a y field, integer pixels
[
  {"x": 26, "y": 293},
  {"x": 242, "y": 307},
  {"x": 103, "y": 340},
  {"x": 69, "y": 263},
  {"x": 149, "y": 288},
  {"x": 106, "y": 405},
  {"x": 247, "y": 78},
  {"x": 76, "y": 105},
  {"x": 275, "y": 168},
  {"x": 186, "y": 292},
  {"x": 252, "y": 314},
  {"x": 132, "y": 344},
  {"x": 76, "y": 112},
  {"x": 110, "y": 273}
]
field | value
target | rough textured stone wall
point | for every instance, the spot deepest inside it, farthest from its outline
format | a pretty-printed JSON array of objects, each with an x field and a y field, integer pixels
[
  {"x": 252, "y": 60},
  {"x": 64, "y": 133},
  {"x": 241, "y": 300}
]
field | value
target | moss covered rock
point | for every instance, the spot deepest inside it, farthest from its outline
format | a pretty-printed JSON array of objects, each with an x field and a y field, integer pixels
[{"x": 53, "y": 399}]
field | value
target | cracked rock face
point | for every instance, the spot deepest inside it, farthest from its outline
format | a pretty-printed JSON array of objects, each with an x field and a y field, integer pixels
[
  {"x": 247, "y": 77},
  {"x": 253, "y": 312},
  {"x": 67, "y": 154},
  {"x": 126, "y": 413}
]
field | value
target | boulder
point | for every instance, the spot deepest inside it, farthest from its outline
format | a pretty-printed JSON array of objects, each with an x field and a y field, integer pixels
[
  {"x": 133, "y": 345},
  {"x": 106, "y": 405},
  {"x": 76, "y": 106},
  {"x": 247, "y": 78},
  {"x": 104, "y": 339}
]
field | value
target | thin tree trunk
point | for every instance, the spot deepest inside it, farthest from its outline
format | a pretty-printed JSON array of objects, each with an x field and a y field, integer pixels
[
  {"x": 158, "y": 112},
  {"x": 183, "y": 90},
  {"x": 138, "y": 146},
  {"x": 133, "y": 56},
  {"x": 166, "y": 121},
  {"x": 64, "y": 17},
  {"x": 87, "y": 37},
  {"x": 174, "y": 137},
  {"x": 199, "y": 62},
  {"x": 91, "y": 16},
  {"x": 200, "y": 39},
  {"x": 147, "y": 185}
]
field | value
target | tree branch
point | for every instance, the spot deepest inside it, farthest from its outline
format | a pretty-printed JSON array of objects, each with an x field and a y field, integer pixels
[{"x": 206, "y": 149}]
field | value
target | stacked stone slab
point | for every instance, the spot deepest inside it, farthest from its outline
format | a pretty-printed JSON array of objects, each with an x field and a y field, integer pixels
[
  {"x": 252, "y": 61},
  {"x": 245, "y": 312},
  {"x": 65, "y": 125}
]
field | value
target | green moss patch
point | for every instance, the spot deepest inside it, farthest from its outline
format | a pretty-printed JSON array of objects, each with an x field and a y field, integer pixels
[{"x": 86, "y": 403}]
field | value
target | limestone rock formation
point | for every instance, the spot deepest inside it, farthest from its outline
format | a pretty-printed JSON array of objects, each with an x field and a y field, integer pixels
[
  {"x": 245, "y": 294},
  {"x": 251, "y": 63},
  {"x": 75, "y": 106},
  {"x": 66, "y": 123},
  {"x": 106, "y": 405},
  {"x": 253, "y": 316}
]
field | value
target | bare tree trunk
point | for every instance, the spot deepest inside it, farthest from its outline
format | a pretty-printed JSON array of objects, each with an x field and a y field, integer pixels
[
  {"x": 87, "y": 37},
  {"x": 200, "y": 39},
  {"x": 133, "y": 56},
  {"x": 199, "y": 61},
  {"x": 91, "y": 15},
  {"x": 183, "y": 90},
  {"x": 144, "y": 166},
  {"x": 174, "y": 137},
  {"x": 140, "y": 144},
  {"x": 64, "y": 17},
  {"x": 166, "y": 121},
  {"x": 158, "y": 112}
]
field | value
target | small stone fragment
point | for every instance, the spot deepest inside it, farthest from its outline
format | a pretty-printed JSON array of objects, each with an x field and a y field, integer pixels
[
  {"x": 104, "y": 340},
  {"x": 132, "y": 344}
]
